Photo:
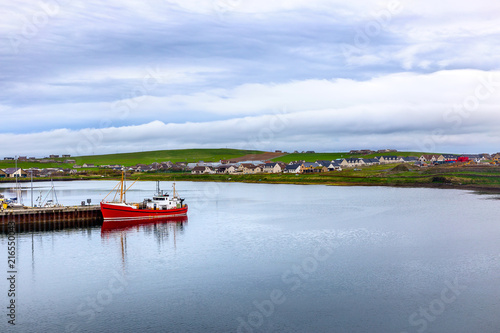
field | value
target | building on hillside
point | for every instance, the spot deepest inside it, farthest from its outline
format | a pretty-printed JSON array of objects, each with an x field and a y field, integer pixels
[
  {"x": 370, "y": 161},
  {"x": 485, "y": 156},
  {"x": 386, "y": 159},
  {"x": 409, "y": 159},
  {"x": 15, "y": 172},
  {"x": 446, "y": 158},
  {"x": 335, "y": 166},
  {"x": 314, "y": 168},
  {"x": 361, "y": 151},
  {"x": 428, "y": 158},
  {"x": 292, "y": 168},
  {"x": 225, "y": 169},
  {"x": 198, "y": 170},
  {"x": 249, "y": 168},
  {"x": 309, "y": 167},
  {"x": 352, "y": 162},
  {"x": 272, "y": 168},
  {"x": 3, "y": 174}
]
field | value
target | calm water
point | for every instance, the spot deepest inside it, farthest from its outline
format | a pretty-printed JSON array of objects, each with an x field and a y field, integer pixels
[{"x": 268, "y": 258}]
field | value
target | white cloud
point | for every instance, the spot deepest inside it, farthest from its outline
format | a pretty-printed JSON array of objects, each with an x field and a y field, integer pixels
[{"x": 450, "y": 110}]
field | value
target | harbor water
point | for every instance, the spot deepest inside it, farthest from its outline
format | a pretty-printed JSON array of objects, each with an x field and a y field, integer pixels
[{"x": 265, "y": 258}]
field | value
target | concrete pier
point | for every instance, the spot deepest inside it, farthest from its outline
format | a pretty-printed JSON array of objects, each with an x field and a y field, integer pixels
[{"x": 53, "y": 218}]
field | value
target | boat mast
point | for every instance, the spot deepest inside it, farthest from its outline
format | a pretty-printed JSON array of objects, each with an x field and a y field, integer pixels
[
  {"x": 17, "y": 185},
  {"x": 125, "y": 186},
  {"x": 121, "y": 189},
  {"x": 31, "y": 186}
]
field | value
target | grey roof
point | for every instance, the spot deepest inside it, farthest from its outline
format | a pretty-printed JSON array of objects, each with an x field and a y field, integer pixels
[
  {"x": 352, "y": 160},
  {"x": 370, "y": 160},
  {"x": 311, "y": 164},
  {"x": 324, "y": 162},
  {"x": 10, "y": 171},
  {"x": 292, "y": 166}
]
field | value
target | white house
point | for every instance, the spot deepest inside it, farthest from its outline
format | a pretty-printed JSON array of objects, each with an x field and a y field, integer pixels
[
  {"x": 272, "y": 168},
  {"x": 292, "y": 168}
]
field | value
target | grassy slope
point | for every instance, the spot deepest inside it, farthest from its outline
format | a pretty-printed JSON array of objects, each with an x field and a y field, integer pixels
[{"x": 128, "y": 159}]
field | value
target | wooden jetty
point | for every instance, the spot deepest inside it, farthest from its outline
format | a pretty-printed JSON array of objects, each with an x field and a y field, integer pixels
[{"x": 50, "y": 218}]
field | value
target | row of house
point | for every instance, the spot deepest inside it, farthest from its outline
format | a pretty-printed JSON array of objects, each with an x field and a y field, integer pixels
[
  {"x": 45, "y": 172},
  {"x": 254, "y": 167},
  {"x": 241, "y": 168},
  {"x": 477, "y": 158},
  {"x": 34, "y": 159}
]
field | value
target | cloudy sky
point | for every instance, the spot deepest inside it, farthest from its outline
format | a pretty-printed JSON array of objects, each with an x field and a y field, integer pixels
[{"x": 92, "y": 77}]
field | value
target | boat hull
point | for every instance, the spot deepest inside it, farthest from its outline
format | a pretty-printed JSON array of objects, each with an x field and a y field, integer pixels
[{"x": 122, "y": 212}]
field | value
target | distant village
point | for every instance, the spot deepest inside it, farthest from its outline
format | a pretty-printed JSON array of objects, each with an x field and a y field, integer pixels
[{"x": 69, "y": 166}]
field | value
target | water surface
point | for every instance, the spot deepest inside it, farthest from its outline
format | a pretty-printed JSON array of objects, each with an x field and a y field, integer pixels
[{"x": 268, "y": 258}]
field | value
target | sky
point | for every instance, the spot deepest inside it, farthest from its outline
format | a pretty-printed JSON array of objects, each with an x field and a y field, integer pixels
[{"x": 93, "y": 77}]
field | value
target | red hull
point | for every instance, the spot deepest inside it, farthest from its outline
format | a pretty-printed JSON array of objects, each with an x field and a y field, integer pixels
[{"x": 122, "y": 212}]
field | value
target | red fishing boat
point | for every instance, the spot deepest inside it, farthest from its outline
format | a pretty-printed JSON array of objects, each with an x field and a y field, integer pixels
[{"x": 162, "y": 205}]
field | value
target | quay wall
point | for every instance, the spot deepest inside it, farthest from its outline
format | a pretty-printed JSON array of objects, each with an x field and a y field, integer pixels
[{"x": 53, "y": 218}]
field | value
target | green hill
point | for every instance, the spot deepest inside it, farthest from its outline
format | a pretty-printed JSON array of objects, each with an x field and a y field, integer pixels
[
  {"x": 181, "y": 155},
  {"x": 147, "y": 157}
]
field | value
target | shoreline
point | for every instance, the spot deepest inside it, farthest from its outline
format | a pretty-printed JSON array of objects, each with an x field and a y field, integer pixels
[{"x": 492, "y": 189}]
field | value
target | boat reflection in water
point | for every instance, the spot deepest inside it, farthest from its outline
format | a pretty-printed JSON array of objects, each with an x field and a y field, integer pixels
[
  {"x": 163, "y": 224},
  {"x": 161, "y": 229}
]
